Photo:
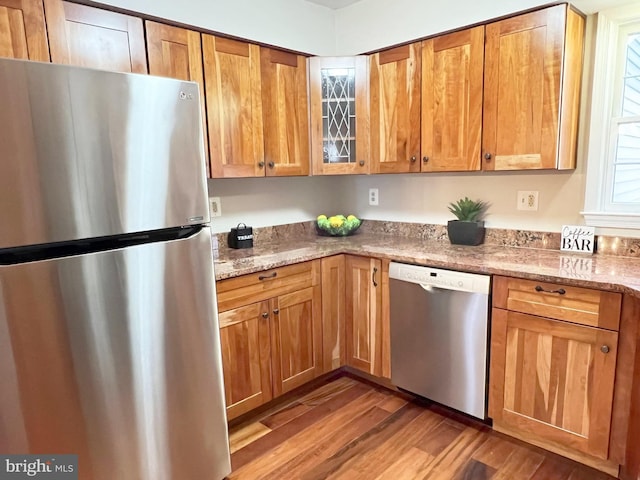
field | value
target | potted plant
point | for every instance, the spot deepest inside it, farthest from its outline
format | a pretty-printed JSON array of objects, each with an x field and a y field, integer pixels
[{"x": 468, "y": 229}]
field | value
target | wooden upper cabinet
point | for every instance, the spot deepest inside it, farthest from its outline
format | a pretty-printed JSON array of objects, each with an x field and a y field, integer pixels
[
  {"x": 339, "y": 97},
  {"x": 531, "y": 90},
  {"x": 395, "y": 109},
  {"x": 285, "y": 112},
  {"x": 177, "y": 53},
  {"x": 91, "y": 37},
  {"x": 234, "y": 107},
  {"x": 452, "y": 70},
  {"x": 23, "y": 33}
]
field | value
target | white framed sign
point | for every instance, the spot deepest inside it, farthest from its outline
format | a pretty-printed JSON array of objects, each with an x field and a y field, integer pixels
[{"x": 578, "y": 238}]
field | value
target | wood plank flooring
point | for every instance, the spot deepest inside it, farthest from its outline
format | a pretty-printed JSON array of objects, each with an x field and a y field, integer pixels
[{"x": 351, "y": 430}]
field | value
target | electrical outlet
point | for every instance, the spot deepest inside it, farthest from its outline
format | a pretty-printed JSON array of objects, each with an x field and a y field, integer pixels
[
  {"x": 215, "y": 207},
  {"x": 527, "y": 200},
  {"x": 373, "y": 196}
]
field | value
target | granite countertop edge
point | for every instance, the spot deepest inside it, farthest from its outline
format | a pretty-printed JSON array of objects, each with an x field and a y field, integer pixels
[{"x": 605, "y": 272}]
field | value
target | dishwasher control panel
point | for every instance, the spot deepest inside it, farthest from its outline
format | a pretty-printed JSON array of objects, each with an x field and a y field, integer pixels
[{"x": 435, "y": 277}]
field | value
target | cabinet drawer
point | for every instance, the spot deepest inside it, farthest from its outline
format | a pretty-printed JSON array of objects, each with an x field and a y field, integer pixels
[
  {"x": 584, "y": 306},
  {"x": 255, "y": 287}
]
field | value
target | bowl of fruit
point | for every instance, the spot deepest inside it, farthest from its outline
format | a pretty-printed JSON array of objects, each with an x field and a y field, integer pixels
[{"x": 337, "y": 225}]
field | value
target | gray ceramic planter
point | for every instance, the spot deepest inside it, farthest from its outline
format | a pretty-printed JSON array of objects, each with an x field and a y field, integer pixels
[{"x": 465, "y": 233}]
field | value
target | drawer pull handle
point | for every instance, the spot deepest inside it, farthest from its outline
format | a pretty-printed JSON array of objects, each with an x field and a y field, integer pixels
[
  {"x": 265, "y": 314},
  {"x": 560, "y": 291},
  {"x": 265, "y": 277},
  {"x": 373, "y": 276},
  {"x": 604, "y": 349},
  {"x": 276, "y": 311}
]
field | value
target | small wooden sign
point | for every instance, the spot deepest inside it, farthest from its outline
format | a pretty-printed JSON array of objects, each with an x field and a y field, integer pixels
[{"x": 578, "y": 238}]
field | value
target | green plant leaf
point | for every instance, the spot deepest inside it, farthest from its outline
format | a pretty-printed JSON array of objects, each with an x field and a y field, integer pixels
[{"x": 467, "y": 210}]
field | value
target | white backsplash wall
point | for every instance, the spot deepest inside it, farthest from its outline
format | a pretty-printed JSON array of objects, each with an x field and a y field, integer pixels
[
  {"x": 423, "y": 198},
  {"x": 262, "y": 202}
]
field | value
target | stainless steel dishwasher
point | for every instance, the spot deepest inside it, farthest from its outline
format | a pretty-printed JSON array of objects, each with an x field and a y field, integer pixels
[{"x": 439, "y": 335}]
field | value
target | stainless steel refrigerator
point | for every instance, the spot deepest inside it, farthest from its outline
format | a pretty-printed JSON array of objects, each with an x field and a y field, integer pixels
[{"x": 109, "y": 342}]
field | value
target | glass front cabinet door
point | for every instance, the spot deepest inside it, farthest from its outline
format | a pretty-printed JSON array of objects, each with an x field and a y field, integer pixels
[{"x": 339, "y": 97}]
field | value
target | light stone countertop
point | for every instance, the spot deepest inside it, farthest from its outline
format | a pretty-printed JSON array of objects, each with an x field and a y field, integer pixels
[{"x": 606, "y": 272}]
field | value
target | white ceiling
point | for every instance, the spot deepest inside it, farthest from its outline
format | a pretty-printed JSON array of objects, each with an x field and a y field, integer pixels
[{"x": 335, "y": 4}]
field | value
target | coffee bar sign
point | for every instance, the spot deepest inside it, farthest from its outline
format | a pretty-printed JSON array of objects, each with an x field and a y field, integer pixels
[{"x": 578, "y": 238}]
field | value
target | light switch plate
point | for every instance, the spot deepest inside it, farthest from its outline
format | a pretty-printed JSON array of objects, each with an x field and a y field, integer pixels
[{"x": 215, "y": 207}]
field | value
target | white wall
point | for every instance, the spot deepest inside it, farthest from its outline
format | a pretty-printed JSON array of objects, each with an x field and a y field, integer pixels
[
  {"x": 292, "y": 24},
  {"x": 260, "y": 202},
  {"x": 423, "y": 198},
  {"x": 374, "y": 24}
]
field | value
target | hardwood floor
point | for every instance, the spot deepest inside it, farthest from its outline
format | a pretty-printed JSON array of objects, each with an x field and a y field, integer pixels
[{"x": 348, "y": 429}]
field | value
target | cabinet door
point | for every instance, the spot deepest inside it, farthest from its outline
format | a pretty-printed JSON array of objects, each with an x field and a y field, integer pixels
[
  {"x": 177, "y": 53},
  {"x": 339, "y": 94},
  {"x": 452, "y": 70},
  {"x": 395, "y": 110},
  {"x": 333, "y": 312},
  {"x": 232, "y": 76},
  {"x": 523, "y": 77},
  {"x": 553, "y": 380},
  {"x": 23, "y": 33},
  {"x": 364, "y": 333},
  {"x": 296, "y": 338},
  {"x": 244, "y": 338},
  {"x": 91, "y": 37},
  {"x": 285, "y": 112}
]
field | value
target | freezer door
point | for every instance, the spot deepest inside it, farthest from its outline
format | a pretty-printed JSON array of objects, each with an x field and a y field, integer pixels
[
  {"x": 115, "y": 357},
  {"x": 88, "y": 153}
]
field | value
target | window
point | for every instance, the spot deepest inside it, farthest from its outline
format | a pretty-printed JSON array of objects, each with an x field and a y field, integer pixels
[{"x": 613, "y": 174}]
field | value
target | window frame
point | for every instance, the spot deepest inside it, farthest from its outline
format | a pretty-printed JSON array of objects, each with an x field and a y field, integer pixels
[{"x": 598, "y": 210}]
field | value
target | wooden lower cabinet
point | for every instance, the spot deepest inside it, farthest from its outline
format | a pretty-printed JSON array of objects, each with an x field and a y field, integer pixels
[
  {"x": 333, "y": 312},
  {"x": 296, "y": 339},
  {"x": 551, "y": 379},
  {"x": 274, "y": 344},
  {"x": 246, "y": 351},
  {"x": 367, "y": 332}
]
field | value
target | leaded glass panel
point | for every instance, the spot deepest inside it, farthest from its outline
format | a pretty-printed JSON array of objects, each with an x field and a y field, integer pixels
[{"x": 338, "y": 115}]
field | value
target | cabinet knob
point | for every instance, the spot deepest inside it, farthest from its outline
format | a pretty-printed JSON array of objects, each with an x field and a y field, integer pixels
[
  {"x": 487, "y": 156},
  {"x": 271, "y": 164},
  {"x": 276, "y": 311},
  {"x": 361, "y": 163},
  {"x": 413, "y": 159},
  {"x": 604, "y": 349},
  {"x": 425, "y": 159},
  {"x": 261, "y": 164},
  {"x": 265, "y": 314}
]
